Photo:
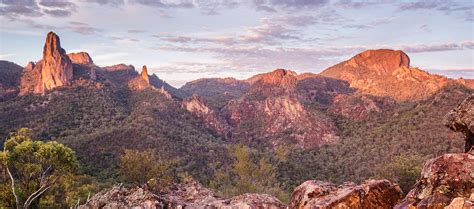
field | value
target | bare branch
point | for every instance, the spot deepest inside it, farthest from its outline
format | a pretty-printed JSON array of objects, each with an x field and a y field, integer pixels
[
  {"x": 36, "y": 195},
  {"x": 17, "y": 200}
]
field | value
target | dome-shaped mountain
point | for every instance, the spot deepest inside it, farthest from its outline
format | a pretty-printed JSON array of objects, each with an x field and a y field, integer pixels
[{"x": 386, "y": 72}]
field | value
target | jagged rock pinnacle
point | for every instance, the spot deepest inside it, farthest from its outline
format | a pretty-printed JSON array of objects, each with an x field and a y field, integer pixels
[
  {"x": 144, "y": 74},
  {"x": 54, "y": 70}
]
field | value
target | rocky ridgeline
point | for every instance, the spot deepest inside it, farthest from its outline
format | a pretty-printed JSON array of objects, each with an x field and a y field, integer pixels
[{"x": 446, "y": 182}]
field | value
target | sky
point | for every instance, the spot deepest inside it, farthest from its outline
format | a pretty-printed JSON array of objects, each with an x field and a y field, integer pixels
[{"x": 183, "y": 40}]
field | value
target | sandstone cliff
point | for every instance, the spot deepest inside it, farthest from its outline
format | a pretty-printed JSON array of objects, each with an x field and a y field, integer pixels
[
  {"x": 81, "y": 58},
  {"x": 54, "y": 70},
  {"x": 387, "y": 72}
]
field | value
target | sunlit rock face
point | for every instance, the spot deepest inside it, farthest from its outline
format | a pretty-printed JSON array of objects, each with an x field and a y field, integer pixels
[
  {"x": 270, "y": 112},
  {"x": 387, "y": 72},
  {"x": 81, "y": 58},
  {"x": 54, "y": 70},
  {"x": 371, "y": 194},
  {"x": 445, "y": 180},
  {"x": 141, "y": 81},
  {"x": 211, "y": 118}
]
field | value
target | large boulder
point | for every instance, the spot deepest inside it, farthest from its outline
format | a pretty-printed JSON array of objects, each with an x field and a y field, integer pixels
[
  {"x": 461, "y": 119},
  {"x": 121, "y": 197},
  {"x": 445, "y": 180},
  {"x": 371, "y": 194}
]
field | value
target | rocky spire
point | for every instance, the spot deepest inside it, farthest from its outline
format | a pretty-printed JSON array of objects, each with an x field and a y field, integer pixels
[
  {"x": 144, "y": 74},
  {"x": 54, "y": 70},
  {"x": 56, "y": 66}
]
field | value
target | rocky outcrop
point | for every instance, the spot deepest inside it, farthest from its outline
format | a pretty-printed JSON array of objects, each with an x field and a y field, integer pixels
[
  {"x": 81, "y": 58},
  {"x": 271, "y": 112},
  {"x": 54, "y": 70},
  {"x": 142, "y": 81},
  {"x": 445, "y": 180},
  {"x": 387, "y": 72},
  {"x": 211, "y": 118},
  {"x": 371, "y": 194},
  {"x": 461, "y": 119},
  {"x": 121, "y": 197},
  {"x": 448, "y": 180},
  {"x": 189, "y": 194},
  {"x": 360, "y": 107}
]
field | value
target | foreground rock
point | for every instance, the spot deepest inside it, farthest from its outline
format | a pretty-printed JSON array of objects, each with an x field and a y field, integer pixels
[
  {"x": 186, "y": 195},
  {"x": 371, "y": 194},
  {"x": 446, "y": 180},
  {"x": 461, "y": 119}
]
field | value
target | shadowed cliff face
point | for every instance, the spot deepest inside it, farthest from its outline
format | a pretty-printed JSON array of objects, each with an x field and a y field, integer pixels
[
  {"x": 461, "y": 119},
  {"x": 54, "y": 70}
]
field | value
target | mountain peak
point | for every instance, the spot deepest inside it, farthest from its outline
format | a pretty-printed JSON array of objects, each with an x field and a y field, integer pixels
[
  {"x": 385, "y": 72},
  {"x": 384, "y": 61},
  {"x": 52, "y": 46},
  {"x": 278, "y": 76}
]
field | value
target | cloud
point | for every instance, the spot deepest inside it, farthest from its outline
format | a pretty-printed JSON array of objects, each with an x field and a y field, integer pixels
[
  {"x": 82, "y": 28},
  {"x": 372, "y": 24},
  {"x": 258, "y": 58},
  {"x": 468, "y": 45},
  {"x": 15, "y": 9},
  {"x": 164, "y": 4},
  {"x": 272, "y": 5},
  {"x": 4, "y": 56},
  {"x": 454, "y": 73},
  {"x": 136, "y": 31},
  {"x": 463, "y": 9},
  {"x": 360, "y": 4},
  {"x": 107, "y": 2}
]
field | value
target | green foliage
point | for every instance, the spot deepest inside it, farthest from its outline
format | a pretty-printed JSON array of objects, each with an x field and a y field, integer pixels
[
  {"x": 138, "y": 167},
  {"x": 404, "y": 169},
  {"x": 35, "y": 166},
  {"x": 247, "y": 175}
]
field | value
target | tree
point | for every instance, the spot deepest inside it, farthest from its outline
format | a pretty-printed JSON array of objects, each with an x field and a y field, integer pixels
[
  {"x": 404, "y": 169},
  {"x": 34, "y": 166},
  {"x": 248, "y": 175},
  {"x": 138, "y": 167}
]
